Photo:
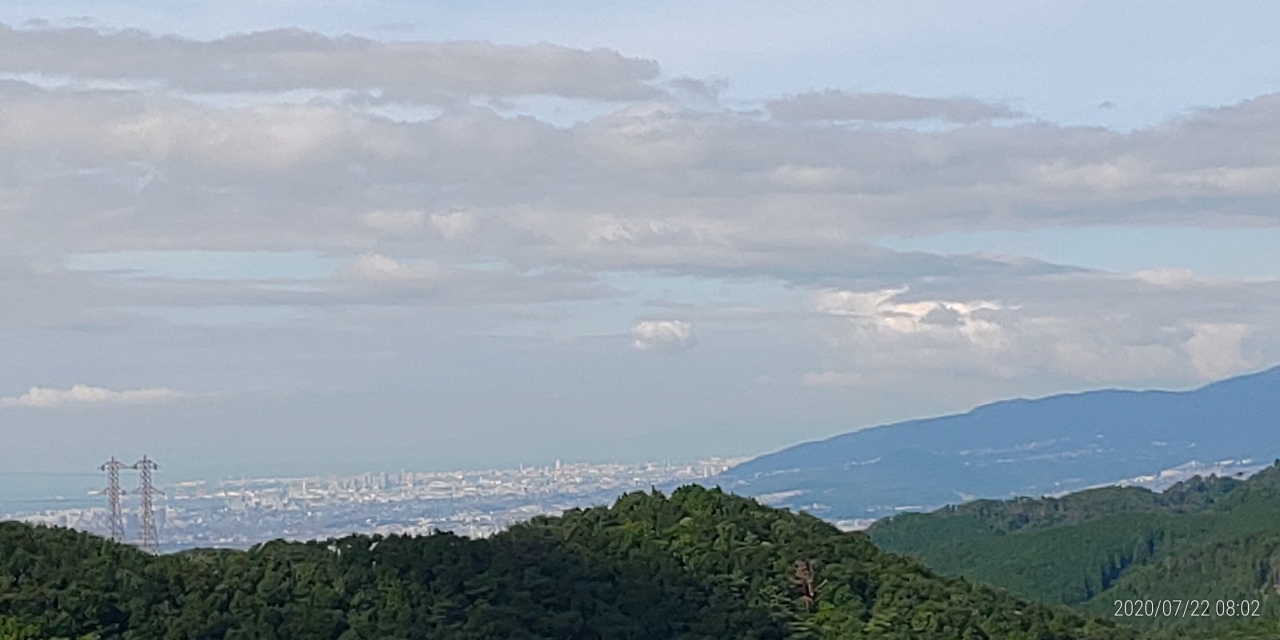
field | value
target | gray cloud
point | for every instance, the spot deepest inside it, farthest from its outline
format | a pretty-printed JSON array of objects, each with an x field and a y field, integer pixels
[
  {"x": 648, "y": 186},
  {"x": 287, "y": 60},
  {"x": 470, "y": 222},
  {"x": 831, "y": 105}
]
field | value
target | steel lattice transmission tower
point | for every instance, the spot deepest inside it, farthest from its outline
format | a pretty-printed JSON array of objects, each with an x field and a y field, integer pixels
[
  {"x": 148, "y": 536},
  {"x": 115, "y": 521}
]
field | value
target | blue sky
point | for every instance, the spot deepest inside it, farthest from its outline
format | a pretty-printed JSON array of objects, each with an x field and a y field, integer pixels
[{"x": 257, "y": 237}]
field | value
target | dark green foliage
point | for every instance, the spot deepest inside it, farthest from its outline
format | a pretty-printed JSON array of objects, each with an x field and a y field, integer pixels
[
  {"x": 699, "y": 565},
  {"x": 1207, "y": 538}
]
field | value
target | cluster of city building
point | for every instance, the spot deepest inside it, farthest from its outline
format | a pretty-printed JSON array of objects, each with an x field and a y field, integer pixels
[{"x": 240, "y": 513}]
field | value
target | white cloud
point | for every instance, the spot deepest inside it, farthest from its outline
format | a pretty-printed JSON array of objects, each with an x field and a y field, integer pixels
[
  {"x": 45, "y": 398},
  {"x": 667, "y": 336},
  {"x": 452, "y": 226},
  {"x": 129, "y": 128},
  {"x": 373, "y": 266},
  {"x": 862, "y": 304},
  {"x": 877, "y": 309},
  {"x": 393, "y": 221},
  {"x": 831, "y": 378},
  {"x": 884, "y": 107},
  {"x": 1216, "y": 349},
  {"x": 1096, "y": 328},
  {"x": 1172, "y": 277},
  {"x": 648, "y": 136},
  {"x": 804, "y": 177}
]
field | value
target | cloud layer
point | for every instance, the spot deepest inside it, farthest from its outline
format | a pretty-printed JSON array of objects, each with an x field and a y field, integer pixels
[
  {"x": 652, "y": 185},
  {"x": 45, "y": 398},
  {"x": 836, "y": 106},
  {"x": 1071, "y": 326},
  {"x": 508, "y": 209},
  {"x": 288, "y": 60}
]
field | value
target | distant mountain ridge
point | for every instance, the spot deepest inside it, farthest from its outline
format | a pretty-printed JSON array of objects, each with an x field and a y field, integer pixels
[{"x": 1019, "y": 447}]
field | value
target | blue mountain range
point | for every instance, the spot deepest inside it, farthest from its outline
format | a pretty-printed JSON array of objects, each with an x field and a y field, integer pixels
[{"x": 1020, "y": 447}]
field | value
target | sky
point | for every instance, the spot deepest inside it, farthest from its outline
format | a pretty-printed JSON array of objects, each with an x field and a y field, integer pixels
[{"x": 302, "y": 236}]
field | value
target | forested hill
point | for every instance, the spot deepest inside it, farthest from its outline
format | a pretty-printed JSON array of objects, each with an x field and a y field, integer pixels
[
  {"x": 698, "y": 564},
  {"x": 1214, "y": 539}
]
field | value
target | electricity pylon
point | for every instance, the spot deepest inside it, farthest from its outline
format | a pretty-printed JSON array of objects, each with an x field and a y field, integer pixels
[
  {"x": 148, "y": 536},
  {"x": 115, "y": 521}
]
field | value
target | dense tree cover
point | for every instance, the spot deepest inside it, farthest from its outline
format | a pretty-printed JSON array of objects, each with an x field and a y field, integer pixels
[
  {"x": 1208, "y": 538},
  {"x": 699, "y": 564}
]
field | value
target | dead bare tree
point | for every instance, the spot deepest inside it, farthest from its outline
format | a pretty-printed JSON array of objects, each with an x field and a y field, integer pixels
[{"x": 804, "y": 582}]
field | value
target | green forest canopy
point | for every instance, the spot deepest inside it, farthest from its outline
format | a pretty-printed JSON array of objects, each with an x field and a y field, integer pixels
[
  {"x": 698, "y": 564},
  {"x": 1214, "y": 539}
]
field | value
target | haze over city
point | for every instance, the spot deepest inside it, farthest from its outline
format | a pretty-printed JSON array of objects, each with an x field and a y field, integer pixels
[{"x": 308, "y": 237}]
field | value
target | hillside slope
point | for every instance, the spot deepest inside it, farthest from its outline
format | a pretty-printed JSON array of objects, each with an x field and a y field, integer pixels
[
  {"x": 1019, "y": 447},
  {"x": 1212, "y": 539},
  {"x": 699, "y": 564}
]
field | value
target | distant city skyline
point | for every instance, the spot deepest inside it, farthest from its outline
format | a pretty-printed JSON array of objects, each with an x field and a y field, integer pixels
[
  {"x": 248, "y": 511},
  {"x": 264, "y": 238}
]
